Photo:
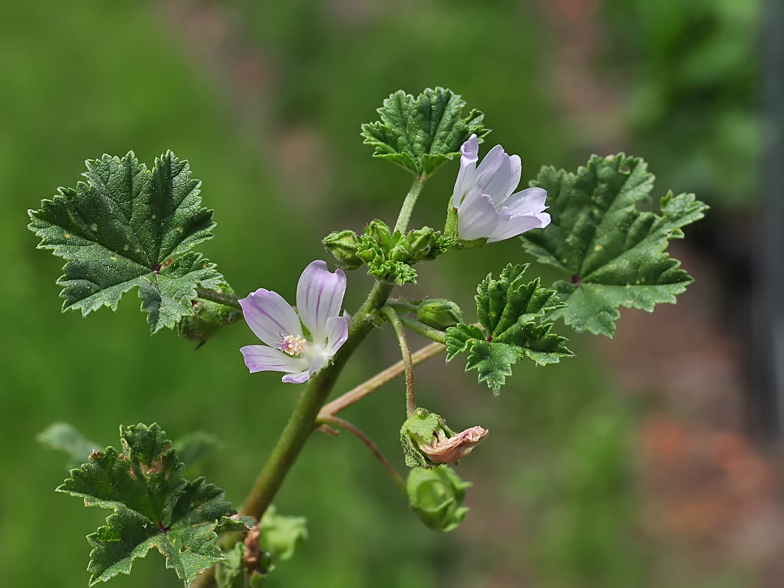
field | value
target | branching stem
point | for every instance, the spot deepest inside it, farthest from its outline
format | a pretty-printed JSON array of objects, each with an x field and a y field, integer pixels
[
  {"x": 344, "y": 424},
  {"x": 408, "y": 204}
]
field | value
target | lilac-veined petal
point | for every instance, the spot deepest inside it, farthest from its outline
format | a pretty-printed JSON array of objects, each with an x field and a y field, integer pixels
[
  {"x": 260, "y": 358},
  {"x": 469, "y": 155},
  {"x": 503, "y": 182},
  {"x": 319, "y": 297},
  {"x": 269, "y": 316},
  {"x": 337, "y": 333},
  {"x": 528, "y": 201},
  {"x": 477, "y": 217},
  {"x": 511, "y": 226},
  {"x": 305, "y": 375},
  {"x": 492, "y": 163}
]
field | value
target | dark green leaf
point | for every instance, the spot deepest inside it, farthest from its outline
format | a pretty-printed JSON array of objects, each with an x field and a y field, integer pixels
[
  {"x": 419, "y": 134},
  {"x": 610, "y": 247},
  {"x": 125, "y": 227},
  {"x": 66, "y": 438},
  {"x": 154, "y": 506},
  {"x": 510, "y": 311}
]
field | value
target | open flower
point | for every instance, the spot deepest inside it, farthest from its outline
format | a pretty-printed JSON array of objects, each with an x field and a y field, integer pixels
[
  {"x": 319, "y": 298},
  {"x": 486, "y": 206}
]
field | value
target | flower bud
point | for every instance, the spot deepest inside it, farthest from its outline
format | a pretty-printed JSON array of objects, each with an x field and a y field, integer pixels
[
  {"x": 439, "y": 313},
  {"x": 380, "y": 232},
  {"x": 427, "y": 440},
  {"x": 207, "y": 319},
  {"x": 343, "y": 246},
  {"x": 436, "y": 496}
]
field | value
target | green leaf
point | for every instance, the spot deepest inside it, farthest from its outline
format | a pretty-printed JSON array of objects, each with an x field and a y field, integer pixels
[
  {"x": 154, "y": 506},
  {"x": 612, "y": 249},
  {"x": 420, "y": 134},
  {"x": 125, "y": 227},
  {"x": 65, "y": 437},
  {"x": 281, "y": 535},
  {"x": 510, "y": 312}
]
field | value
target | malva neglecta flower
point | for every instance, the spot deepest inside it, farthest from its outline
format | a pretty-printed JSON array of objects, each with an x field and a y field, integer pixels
[
  {"x": 319, "y": 299},
  {"x": 486, "y": 206}
]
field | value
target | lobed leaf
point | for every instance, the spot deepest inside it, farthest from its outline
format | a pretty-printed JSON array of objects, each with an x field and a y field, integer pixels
[
  {"x": 154, "y": 506},
  {"x": 420, "y": 134},
  {"x": 613, "y": 250},
  {"x": 127, "y": 226},
  {"x": 66, "y": 438},
  {"x": 510, "y": 313}
]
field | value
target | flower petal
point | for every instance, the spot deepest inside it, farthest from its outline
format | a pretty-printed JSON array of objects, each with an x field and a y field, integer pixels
[
  {"x": 305, "y": 375},
  {"x": 469, "y": 155},
  {"x": 528, "y": 201},
  {"x": 512, "y": 226},
  {"x": 337, "y": 333},
  {"x": 260, "y": 358},
  {"x": 269, "y": 316},
  {"x": 477, "y": 217},
  {"x": 319, "y": 297},
  {"x": 501, "y": 183}
]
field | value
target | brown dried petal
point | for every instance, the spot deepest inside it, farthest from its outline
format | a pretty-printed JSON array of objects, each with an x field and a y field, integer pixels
[{"x": 452, "y": 449}]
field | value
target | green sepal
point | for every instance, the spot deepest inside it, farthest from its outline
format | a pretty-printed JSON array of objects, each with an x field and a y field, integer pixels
[
  {"x": 438, "y": 313},
  {"x": 64, "y": 437},
  {"x": 343, "y": 246},
  {"x": 511, "y": 314},
  {"x": 436, "y": 496},
  {"x": 421, "y": 428},
  {"x": 154, "y": 506},
  {"x": 127, "y": 226},
  {"x": 281, "y": 535},
  {"x": 208, "y": 318},
  {"x": 420, "y": 134},
  {"x": 612, "y": 250}
]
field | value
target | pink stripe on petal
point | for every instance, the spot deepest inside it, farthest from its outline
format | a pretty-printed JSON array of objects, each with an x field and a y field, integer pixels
[
  {"x": 319, "y": 297},
  {"x": 269, "y": 316},
  {"x": 337, "y": 333},
  {"x": 259, "y": 358}
]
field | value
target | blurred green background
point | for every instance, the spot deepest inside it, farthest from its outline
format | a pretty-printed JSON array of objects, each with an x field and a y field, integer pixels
[{"x": 265, "y": 100}]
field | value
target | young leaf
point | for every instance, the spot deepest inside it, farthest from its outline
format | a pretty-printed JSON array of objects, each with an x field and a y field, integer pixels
[
  {"x": 613, "y": 252},
  {"x": 128, "y": 226},
  {"x": 419, "y": 134},
  {"x": 510, "y": 312},
  {"x": 66, "y": 438},
  {"x": 154, "y": 506},
  {"x": 280, "y": 534}
]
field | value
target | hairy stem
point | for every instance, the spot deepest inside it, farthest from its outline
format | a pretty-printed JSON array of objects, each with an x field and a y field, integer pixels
[
  {"x": 423, "y": 329},
  {"x": 220, "y": 297},
  {"x": 374, "y": 383},
  {"x": 393, "y": 318},
  {"x": 344, "y": 424},
  {"x": 408, "y": 204}
]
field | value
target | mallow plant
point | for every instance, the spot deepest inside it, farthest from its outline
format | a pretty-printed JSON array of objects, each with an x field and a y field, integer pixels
[{"x": 128, "y": 226}]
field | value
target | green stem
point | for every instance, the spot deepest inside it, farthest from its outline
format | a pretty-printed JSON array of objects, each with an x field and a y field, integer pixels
[
  {"x": 344, "y": 424},
  {"x": 423, "y": 329},
  {"x": 220, "y": 297},
  {"x": 393, "y": 318},
  {"x": 408, "y": 204}
]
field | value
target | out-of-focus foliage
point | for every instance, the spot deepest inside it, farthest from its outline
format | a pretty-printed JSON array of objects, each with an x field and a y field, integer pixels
[{"x": 690, "y": 70}]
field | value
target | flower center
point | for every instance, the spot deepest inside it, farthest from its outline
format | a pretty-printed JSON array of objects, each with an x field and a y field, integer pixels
[{"x": 292, "y": 345}]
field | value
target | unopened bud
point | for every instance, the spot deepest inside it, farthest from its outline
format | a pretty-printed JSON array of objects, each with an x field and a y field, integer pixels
[
  {"x": 436, "y": 496},
  {"x": 343, "y": 246},
  {"x": 439, "y": 313},
  {"x": 207, "y": 319}
]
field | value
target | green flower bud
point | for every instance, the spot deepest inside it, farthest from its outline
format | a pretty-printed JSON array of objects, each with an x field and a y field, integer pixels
[
  {"x": 436, "y": 496},
  {"x": 207, "y": 319},
  {"x": 439, "y": 313},
  {"x": 380, "y": 232},
  {"x": 343, "y": 246}
]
